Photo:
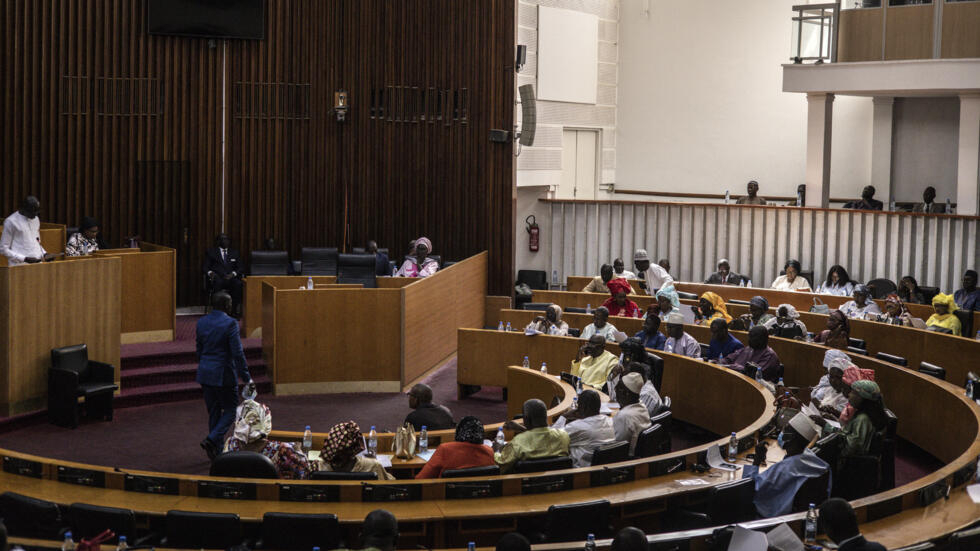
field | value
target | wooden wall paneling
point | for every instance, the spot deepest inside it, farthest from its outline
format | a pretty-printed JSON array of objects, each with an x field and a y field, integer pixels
[
  {"x": 860, "y": 34},
  {"x": 960, "y": 23},
  {"x": 908, "y": 32},
  {"x": 147, "y": 283},
  {"x": 252, "y": 297}
]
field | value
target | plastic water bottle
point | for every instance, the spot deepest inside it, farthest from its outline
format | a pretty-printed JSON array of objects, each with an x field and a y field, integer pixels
[
  {"x": 69, "y": 544},
  {"x": 780, "y": 383},
  {"x": 316, "y": 549},
  {"x": 590, "y": 543},
  {"x": 574, "y": 403},
  {"x": 527, "y": 363},
  {"x": 309, "y": 283},
  {"x": 758, "y": 375},
  {"x": 248, "y": 391},
  {"x": 123, "y": 546},
  {"x": 809, "y": 337},
  {"x": 727, "y": 196},
  {"x": 891, "y": 206},
  {"x": 544, "y": 368},
  {"x": 949, "y": 206},
  {"x": 588, "y": 308},
  {"x": 810, "y": 529},
  {"x": 307, "y": 439},
  {"x": 373, "y": 442},
  {"x": 978, "y": 335},
  {"x": 501, "y": 439},
  {"x": 508, "y": 329},
  {"x": 500, "y": 326},
  {"x": 969, "y": 388},
  {"x": 424, "y": 439},
  {"x": 471, "y": 546},
  {"x": 799, "y": 199},
  {"x": 732, "y": 447},
  {"x": 578, "y": 386}
]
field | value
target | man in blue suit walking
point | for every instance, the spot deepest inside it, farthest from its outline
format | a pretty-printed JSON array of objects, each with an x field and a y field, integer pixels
[{"x": 221, "y": 361}]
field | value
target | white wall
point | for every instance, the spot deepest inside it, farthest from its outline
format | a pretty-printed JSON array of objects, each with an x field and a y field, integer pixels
[
  {"x": 701, "y": 108},
  {"x": 925, "y": 144}
]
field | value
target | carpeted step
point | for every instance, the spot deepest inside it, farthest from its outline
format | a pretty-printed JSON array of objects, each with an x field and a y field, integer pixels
[
  {"x": 145, "y": 355},
  {"x": 174, "y": 373},
  {"x": 173, "y": 392}
]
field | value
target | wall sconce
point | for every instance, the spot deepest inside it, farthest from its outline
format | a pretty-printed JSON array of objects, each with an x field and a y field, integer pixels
[{"x": 340, "y": 107}]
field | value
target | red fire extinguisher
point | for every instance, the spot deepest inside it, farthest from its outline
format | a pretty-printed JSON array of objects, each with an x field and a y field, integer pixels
[{"x": 535, "y": 231}]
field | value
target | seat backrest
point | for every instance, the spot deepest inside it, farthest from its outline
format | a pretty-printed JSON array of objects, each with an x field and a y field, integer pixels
[
  {"x": 649, "y": 440},
  {"x": 342, "y": 475},
  {"x": 88, "y": 521},
  {"x": 932, "y": 369},
  {"x": 965, "y": 540},
  {"x": 704, "y": 349},
  {"x": 928, "y": 293},
  {"x": 292, "y": 531},
  {"x": 29, "y": 517},
  {"x": 540, "y": 306},
  {"x": 857, "y": 343},
  {"x": 575, "y": 310},
  {"x": 891, "y": 358},
  {"x": 535, "y": 279},
  {"x": 576, "y": 521},
  {"x": 688, "y": 296},
  {"x": 731, "y": 502},
  {"x": 927, "y": 546},
  {"x": 966, "y": 322},
  {"x": 828, "y": 448},
  {"x": 243, "y": 464},
  {"x": 319, "y": 260},
  {"x": 814, "y": 490},
  {"x": 269, "y": 263},
  {"x": 487, "y": 470},
  {"x": 543, "y": 464},
  {"x": 611, "y": 453},
  {"x": 574, "y": 332},
  {"x": 73, "y": 358},
  {"x": 881, "y": 287},
  {"x": 357, "y": 268},
  {"x": 656, "y": 364},
  {"x": 194, "y": 530},
  {"x": 857, "y": 350}
]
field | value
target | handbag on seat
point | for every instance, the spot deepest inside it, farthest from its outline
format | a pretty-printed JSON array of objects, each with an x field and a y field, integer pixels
[{"x": 819, "y": 307}]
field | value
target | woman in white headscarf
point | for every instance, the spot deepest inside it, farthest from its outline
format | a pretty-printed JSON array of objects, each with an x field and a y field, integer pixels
[
  {"x": 787, "y": 323},
  {"x": 550, "y": 323},
  {"x": 419, "y": 263},
  {"x": 830, "y": 394},
  {"x": 253, "y": 423}
]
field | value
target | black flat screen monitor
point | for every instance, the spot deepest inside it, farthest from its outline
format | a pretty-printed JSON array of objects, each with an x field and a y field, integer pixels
[{"x": 243, "y": 19}]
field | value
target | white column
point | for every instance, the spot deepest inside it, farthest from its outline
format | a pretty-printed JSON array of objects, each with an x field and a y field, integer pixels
[
  {"x": 968, "y": 164},
  {"x": 881, "y": 149},
  {"x": 819, "y": 120}
]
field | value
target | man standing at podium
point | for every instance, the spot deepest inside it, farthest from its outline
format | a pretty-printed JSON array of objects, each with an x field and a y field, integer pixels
[
  {"x": 221, "y": 361},
  {"x": 21, "y": 239}
]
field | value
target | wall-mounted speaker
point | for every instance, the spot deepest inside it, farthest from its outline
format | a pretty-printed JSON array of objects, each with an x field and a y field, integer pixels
[
  {"x": 521, "y": 57},
  {"x": 529, "y": 114}
]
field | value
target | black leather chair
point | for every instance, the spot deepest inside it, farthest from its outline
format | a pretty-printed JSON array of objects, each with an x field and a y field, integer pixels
[
  {"x": 488, "y": 470},
  {"x": 932, "y": 369},
  {"x": 653, "y": 440},
  {"x": 663, "y": 418},
  {"x": 688, "y": 296},
  {"x": 611, "y": 453},
  {"x": 543, "y": 464},
  {"x": 858, "y": 476},
  {"x": 447, "y": 264},
  {"x": 828, "y": 448},
  {"x": 537, "y": 280},
  {"x": 814, "y": 490},
  {"x": 574, "y": 332},
  {"x": 575, "y": 522},
  {"x": 727, "y": 503},
  {"x": 575, "y": 310},
  {"x": 193, "y": 530},
  {"x": 269, "y": 263},
  {"x": 28, "y": 517},
  {"x": 340, "y": 475},
  {"x": 891, "y": 358},
  {"x": 319, "y": 260},
  {"x": 704, "y": 350},
  {"x": 296, "y": 532},
  {"x": 966, "y": 322},
  {"x": 887, "y": 451},
  {"x": 881, "y": 288},
  {"x": 857, "y": 343},
  {"x": 928, "y": 293},
  {"x": 362, "y": 250},
  {"x": 926, "y": 546},
  {"x": 736, "y": 301},
  {"x": 964, "y": 540},
  {"x": 357, "y": 268},
  {"x": 664, "y": 408},
  {"x": 88, "y": 521},
  {"x": 72, "y": 375},
  {"x": 857, "y": 350},
  {"x": 539, "y": 306},
  {"x": 243, "y": 464}
]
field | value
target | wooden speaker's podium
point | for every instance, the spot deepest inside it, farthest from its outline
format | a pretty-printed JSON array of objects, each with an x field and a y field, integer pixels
[{"x": 49, "y": 305}]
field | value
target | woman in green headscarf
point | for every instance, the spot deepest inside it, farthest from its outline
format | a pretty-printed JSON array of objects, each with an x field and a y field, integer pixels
[
  {"x": 869, "y": 419},
  {"x": 943, "y": 320}
]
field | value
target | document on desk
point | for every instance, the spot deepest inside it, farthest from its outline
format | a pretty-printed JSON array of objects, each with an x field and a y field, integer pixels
[
  {"x": 810, "y": 409},
  {"x": 385, "y": 460},
  {"x": 716, "y": 462},
  {"x": 782, "y": 538},
  {"x": 426, "y": 455},
  {"x": 744, "y": 539},
  {"x": 973, "y": 490}
]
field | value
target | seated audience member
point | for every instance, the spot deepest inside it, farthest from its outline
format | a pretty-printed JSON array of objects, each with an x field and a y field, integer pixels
[
  {"x": 223, "y": 270},
  {"x": 787, "y": 324},
  {"x": 630, "y": 539},
  {"x": 649, "y": 396},
  {"x": 841, "y": 526},
  {"x": 619, "y": 270},
  {"x": 650, "y": 336},
  {"x": 852, "y": 374},
  {"x": 724, "y": 275},
  {"x": 633, "y": 416},
  {"x": 776, "y": 486},
  {"x": 968, "y": 298},
  {"x": 419, "y": 263},
  {"x": 928, "y": 204},
  {"x": 253, "y": 424},
  {"x": 600, "y": 325},
  {"x": 587, "y": 429},
  {"x": 867, "y": 202},
  {"x": 341, "y": 447},
  {"x": 862, "y": 306},
  {"x": 665, "y": 264},
  {"x": 758, "y": 315},
  {"x": 380, "y": 531},
  {"x": 678, "y": 341},
  {"x": 381, "y": 261},
  {"x": 513, "y": 542},
  {"x": 758, "y": 353},
  {"x": 722, "y": 342},
  {"x": 593, "y": 362},
  {"x": 536, "y": 441},
  {"x": 869, "y": 419},
  {"x": 830, "y": 394},
  {"x": 432, "y": 416},
  {"x": 653, "y": 309},
  {"x": 943, "y": 321},
  {"x": 86, "y": 240},
  {"x": 550, "y": 323},
  {"x": 838, "y": 331},
  {"x": 652, "y": 276},
  {"x": 465, "y": 452},
  {"x": 908, "y": 290},
  {"x": 711, "y": 307},
  {"x": 669, "y": 301},
  {"x": 791, "y": 281},
  {"x": 838, "y": 283},
  {"x": 895, "y": 312},
  {"x": 634, "y": 351},
  {"x": 600, "y": 283},
  {"x": 618, "y": 304},
  {"x": 752, "y": 188}
]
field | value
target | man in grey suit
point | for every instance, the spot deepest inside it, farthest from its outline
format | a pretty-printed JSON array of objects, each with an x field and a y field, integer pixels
[{"x": 928, "y": 203}]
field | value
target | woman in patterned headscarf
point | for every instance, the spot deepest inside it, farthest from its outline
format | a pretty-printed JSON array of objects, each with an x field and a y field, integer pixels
[
  {"x": 862, "y": 306},
  {"x": 712, "y": 307},
  {"x": 253, "y": 424},
  {"x": 895, "y": 312},
  {"x": 943, "y": 320},
  {"x": 618, "y": 304},
  {"x": 341, "y": 447},
  {"x": 869, "y": 418},
  {"x": 669, "y": 301},
  {"x": 419, "y": 264},
  {"x": 465, "y": 452},
  {"x": 838, "y": 331},
  {"x": 787, "y": 323}
]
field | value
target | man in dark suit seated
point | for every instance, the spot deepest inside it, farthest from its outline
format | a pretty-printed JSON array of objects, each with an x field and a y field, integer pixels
[
  {"x": 867, "y": 202},
  {"x": 381, "y": 265},
  {"x": 840, "y": 524},
  {"x": 432, "y": 416},
  {"x": 223, "y": 270}
]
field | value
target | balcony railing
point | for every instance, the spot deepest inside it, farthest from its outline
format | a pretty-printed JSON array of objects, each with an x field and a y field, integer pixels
[{"x": 815, "y": 33}]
